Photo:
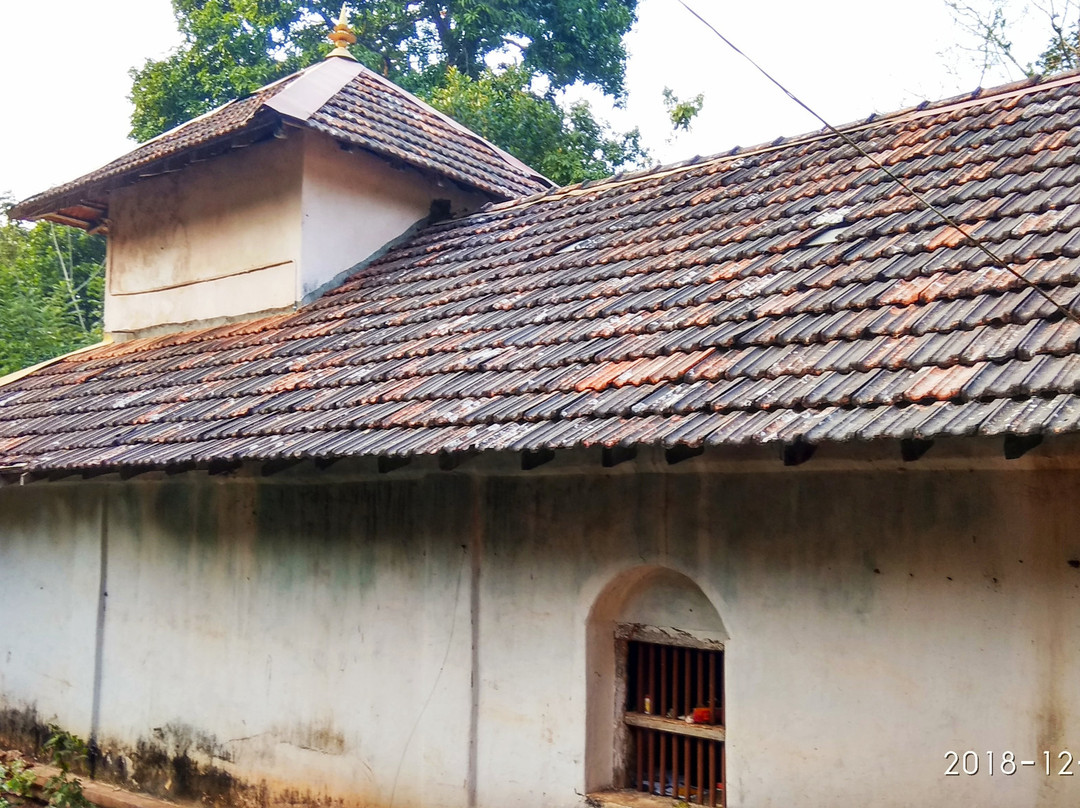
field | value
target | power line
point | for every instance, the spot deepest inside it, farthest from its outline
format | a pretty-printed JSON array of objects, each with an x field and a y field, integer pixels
[{"x": 945, "y": 217}]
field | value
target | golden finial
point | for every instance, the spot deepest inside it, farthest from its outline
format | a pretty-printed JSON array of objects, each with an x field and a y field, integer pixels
[{"x": 342, "y": 37}]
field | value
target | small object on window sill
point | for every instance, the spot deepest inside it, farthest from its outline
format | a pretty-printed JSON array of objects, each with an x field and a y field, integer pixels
[
  {"x": 703, "y": 715},
  {"x": 648, "y": 706}
]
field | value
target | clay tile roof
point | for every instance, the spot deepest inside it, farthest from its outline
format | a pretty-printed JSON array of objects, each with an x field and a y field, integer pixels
[
  {"x": 336, "y": 96},
  {"x": 785, "y": 293},
  {"x": 374, "y": 113}
]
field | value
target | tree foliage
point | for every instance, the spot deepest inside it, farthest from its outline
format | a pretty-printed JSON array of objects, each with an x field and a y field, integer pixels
[
  {"x": 682, "y": 111},
  {"x": 992, "y": 25},
  {"x": 51, "y": 287},
  {"x": 435, "y": 49},
  {"x": 52, "y": 277},
  {"x": 18, "y": 777},
  {"x": 568, "y": 146}
]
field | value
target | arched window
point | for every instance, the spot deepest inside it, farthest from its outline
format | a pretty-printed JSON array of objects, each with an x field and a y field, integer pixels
[{"x": 656, "y": 691}]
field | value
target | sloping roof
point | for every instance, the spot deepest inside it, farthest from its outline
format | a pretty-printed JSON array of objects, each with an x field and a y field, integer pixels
[
  {"x": 372, "y": 112},
  {"x": 337, "y": 96},
  {"x": 786, "y": 293}
]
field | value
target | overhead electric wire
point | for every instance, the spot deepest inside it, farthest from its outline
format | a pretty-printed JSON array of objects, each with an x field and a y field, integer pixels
[{"x": 945, "y": 217}]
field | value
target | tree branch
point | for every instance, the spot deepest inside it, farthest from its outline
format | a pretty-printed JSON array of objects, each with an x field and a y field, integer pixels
[
  {"x": 511, "y": 41},
  {"x": 989, "y": 29},
  {"x": 67, "y": 279}
]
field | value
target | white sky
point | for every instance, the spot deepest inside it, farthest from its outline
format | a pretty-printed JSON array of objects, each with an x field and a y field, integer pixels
[{"x": 64, "y": 65}]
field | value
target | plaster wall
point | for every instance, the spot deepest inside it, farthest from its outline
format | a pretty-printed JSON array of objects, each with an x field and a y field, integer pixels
[
  {"x": 436, "y": 640},
  {"x": 354, "y": 204},
  {"x": 48, "y": 610},
  {"x": 217, "y": 239},
  {"x": 256, "y": 230}
]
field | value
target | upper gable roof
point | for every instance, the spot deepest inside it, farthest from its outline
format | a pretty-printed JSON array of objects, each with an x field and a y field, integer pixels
[
  {"x": 787, "y": 293},
  {"x": 337, "y": 96}
]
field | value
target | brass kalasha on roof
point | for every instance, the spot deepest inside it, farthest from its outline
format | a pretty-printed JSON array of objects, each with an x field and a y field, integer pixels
[{"x": 342, "y": 36}]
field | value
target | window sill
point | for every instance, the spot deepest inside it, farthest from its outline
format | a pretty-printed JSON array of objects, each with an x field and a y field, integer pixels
[
  {"x": 710, "y": 732},
  {"x": 627, "y": 798}
]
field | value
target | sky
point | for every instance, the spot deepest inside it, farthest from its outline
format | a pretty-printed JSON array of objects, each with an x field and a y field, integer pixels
[{"x": 65, "y": 73}]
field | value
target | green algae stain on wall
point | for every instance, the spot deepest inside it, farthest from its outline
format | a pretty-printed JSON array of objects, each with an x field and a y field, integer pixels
[{"x": 317, "y": 534}]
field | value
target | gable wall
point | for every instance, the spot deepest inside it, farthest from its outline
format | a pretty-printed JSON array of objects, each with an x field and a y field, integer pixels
[
  {"x": 354, "y": 204},
  {"x": 256, "y": 230},
  {"x": 292, "y": 641},
  {"x": 217, "y": 239}
]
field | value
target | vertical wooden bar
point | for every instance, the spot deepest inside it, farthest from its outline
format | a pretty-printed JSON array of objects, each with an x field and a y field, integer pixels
[
  {"x": 639, "y": 742},
  {"x": 723, "y": 696},
  {"x": 639, "y": 703},
  {"x": 675, "y": 702},
  {"x": 712, "y": 684},
  {"x": 663, "y": 738},
  {"x": 700, "y": 771},
  {"x": 651, "y": 734},
  {"x": 686, "y": 766},
  {"x": 673, "y": 696},
  {"x": 675, "y": 766},
  {"x": 687, "y": 695},
  {"x": 723, "y": 774},
  {"x": 700, "y": 679},
  {"x": 663, "y": 681},
  {"x": 650, "y": 682},
  {"x": 712, "y": 773}
]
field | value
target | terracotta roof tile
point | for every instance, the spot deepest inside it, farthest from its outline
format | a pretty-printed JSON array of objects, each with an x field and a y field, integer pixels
[
  {"x": 366, "y": 111},
  {"x": 678, "y": 306}
]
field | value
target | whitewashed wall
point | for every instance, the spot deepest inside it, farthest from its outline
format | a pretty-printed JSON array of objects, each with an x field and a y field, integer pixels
[
  {"x": 255, "y": 230},
  {"x": 293, "y": 639}
]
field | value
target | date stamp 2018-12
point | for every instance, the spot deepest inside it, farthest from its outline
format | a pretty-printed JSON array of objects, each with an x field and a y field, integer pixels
[{"x": 1008, "y": 763}]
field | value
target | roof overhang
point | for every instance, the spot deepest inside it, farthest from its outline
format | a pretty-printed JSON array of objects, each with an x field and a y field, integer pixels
[
  {"x": 295, "y": 99},
  {"x": 966, "y": 454},
  {"x": 84, "y": 203}
]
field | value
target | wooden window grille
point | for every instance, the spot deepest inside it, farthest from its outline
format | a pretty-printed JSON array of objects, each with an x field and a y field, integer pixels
[{"x": 669, "y": 755}]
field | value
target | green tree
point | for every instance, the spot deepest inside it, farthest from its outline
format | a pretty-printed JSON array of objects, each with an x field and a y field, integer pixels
[
  {"x": 681, "y": 112},
  {"x": 566, "y": 145},
  {"x": 51, "y": 286},
  {"x": 439, "y": 50},
  {"x": 991, "y": 26}
]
